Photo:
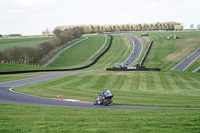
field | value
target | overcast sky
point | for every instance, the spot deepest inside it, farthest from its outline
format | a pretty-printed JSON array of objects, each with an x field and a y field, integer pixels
[{"x": 31, "y": 17}]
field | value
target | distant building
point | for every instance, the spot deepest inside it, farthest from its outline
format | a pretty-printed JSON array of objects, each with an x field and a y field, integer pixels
[{"x": 1, "y": 35}]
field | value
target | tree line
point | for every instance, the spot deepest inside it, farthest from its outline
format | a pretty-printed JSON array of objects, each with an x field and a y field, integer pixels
[
  {"x": 126, "y": 27},
  {"x": 32, "y": 55}
]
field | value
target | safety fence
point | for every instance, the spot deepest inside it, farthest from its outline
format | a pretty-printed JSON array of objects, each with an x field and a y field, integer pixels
[
  {"x": 141, "y": 63},
  {"x": 136, "y": 69}
]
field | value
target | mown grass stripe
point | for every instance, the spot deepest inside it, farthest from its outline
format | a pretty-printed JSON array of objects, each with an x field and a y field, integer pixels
[
  {"x": 150, "y": 81},
  {"x": 142, "y": 81},
  {"x": 172, "y": 82},
  {"x": 127, "y": 83},
  {"x": 187, "y": 83},
  {"x": 157, "y": 81},
  {"x": 164, "y": 81},
  {"x": 179, "y": 82},
  {"x": 193, "y": 81},
  {"x": 135, "y": 82}
]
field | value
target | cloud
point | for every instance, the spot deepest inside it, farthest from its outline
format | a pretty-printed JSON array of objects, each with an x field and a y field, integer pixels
[{"x": 33, "y": 16}]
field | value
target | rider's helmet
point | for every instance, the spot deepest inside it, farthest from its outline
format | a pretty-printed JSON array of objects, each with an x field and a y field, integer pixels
[{"x": 108, "y": 91}]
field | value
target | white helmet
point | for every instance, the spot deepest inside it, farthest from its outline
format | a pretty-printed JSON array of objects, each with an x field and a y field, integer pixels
[{"x": 108, "y": 91}]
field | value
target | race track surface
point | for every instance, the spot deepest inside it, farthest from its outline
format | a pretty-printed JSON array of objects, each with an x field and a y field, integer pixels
[
  {"x": 11, "y": 97},
  {"x": 136, "y": 51},
  {"x": 187, "y": 61}
]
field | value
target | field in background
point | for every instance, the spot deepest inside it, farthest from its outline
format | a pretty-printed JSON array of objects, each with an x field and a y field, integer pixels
[
  {"x": 21, "y": 41},
  {"x": 18, "y": 67},
  {"x": 166, "y": 54},
  {"x": 23, "y": 118}
]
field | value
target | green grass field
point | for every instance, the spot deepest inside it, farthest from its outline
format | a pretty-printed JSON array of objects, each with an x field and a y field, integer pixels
[
  {"x": 79, "y": 55},
  {"x": 18, "y": 67},
  {"x": 23, "y": 118},
  {"x": 21, "y": 41},
  {"x": 166, "y": 54}
]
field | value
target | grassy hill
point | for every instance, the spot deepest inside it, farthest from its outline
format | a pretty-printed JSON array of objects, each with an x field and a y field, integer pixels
[
  {"x": 80, "y": 54},
  {"x": 21, "y": 41},
  {"x": 166, "y": 54}
]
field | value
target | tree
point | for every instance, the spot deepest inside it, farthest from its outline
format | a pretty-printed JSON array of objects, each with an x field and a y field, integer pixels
[
  {"x": 178, "y": 27},
  {"x": 192, "y": 26},
  {"x": 198, "y": 27},
  {"x": 46, "y": 32}
]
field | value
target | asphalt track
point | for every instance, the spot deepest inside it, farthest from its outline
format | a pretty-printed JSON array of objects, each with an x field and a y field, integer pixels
[
  {"x": 11, "y": 97},
  {"x": 136, "y": 51},
  {"x": 187, "y": 61}
]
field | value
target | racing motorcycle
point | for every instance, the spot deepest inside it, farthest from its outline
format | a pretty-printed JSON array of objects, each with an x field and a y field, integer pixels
[{"x": 104, "y": 98}]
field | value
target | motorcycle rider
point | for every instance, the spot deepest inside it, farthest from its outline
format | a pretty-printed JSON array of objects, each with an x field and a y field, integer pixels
[{"x": 101, "y": 95}]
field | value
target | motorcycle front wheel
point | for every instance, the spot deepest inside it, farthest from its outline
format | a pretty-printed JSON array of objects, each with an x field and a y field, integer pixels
[{"x": 106, "y": 102}]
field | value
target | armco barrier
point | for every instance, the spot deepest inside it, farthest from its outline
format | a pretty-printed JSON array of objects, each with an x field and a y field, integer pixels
[
  {"x": 141, "y": 63},
  {"x": 137, "y": 69},
  {"x": 72, "y": 69}
]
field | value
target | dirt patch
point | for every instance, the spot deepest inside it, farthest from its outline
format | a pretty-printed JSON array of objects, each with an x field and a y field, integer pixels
[
  {"x": 178, "y": 55},
  {"x": 128, "y": 42},
  {"x": 174, "y": 57},
  {"x": 144, "y": 39}
]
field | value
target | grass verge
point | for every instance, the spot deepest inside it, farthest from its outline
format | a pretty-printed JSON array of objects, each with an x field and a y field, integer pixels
[{"x": 21, "y": 118}]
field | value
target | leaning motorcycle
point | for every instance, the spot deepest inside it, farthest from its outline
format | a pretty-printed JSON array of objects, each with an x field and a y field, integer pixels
[{"x": 104, "y": 99}]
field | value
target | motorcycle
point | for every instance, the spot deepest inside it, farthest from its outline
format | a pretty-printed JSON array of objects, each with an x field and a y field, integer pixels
[{"x": 104, "y": 98}]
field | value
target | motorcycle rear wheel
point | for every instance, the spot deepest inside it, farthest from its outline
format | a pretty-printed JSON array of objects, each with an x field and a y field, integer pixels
[{"x": 95, "y": 102}]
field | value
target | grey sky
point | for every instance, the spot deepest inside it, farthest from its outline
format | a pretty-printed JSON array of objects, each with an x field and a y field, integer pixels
[{"x": 30, "y": 17}]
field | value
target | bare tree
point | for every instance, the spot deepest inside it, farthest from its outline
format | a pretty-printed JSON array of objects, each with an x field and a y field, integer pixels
[
  {"x": 191, "y": 26},
  {"x": 198, "y": 27},
  {"x": 46, "y": 32}
]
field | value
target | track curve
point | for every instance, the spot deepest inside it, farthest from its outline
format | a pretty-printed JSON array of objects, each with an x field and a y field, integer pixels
[
  {"x": 135, "y": 54},
  {"x": 11, "y": 97},
  {"x": 187, "y": 61}
]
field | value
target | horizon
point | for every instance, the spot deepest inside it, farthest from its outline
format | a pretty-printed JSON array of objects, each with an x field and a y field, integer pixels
[{"x": 31, "y": 17}]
